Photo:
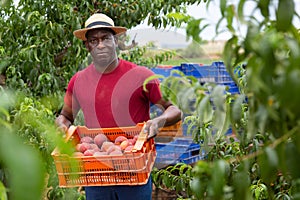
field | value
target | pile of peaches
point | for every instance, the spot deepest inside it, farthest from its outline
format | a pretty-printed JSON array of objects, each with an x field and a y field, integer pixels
[{"x": 100, "y": 145}]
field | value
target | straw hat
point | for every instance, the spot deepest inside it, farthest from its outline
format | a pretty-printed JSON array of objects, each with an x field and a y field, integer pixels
[{"x": 98, "y": 20}]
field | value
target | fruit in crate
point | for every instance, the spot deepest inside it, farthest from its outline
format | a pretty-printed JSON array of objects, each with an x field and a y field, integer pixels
[
  {"x": 131, "y": 141},
  {"x": 128, "y": 148},
  {"x": 82, "y": 147},
  {"x": 105, "y": 146},
  {"x": 113, "y": 148},
  {"x": 120, "y": 139},
  {"x": 100, "y": 145},
  {"x": 100, "y": 139},
  {"x": 116, "y": 152},
  {"x": 124, "y": 144},
  {"x": 94, "y": 147},
  {"x": 86, "y": 139},
  {"x": 96, "y": 168},
  {"x": 100, "y": 153},
  {"x": 89, "y": 152}
]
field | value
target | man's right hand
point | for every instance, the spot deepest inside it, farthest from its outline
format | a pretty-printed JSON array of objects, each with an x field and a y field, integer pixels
[{"x": 63, "y": 123}]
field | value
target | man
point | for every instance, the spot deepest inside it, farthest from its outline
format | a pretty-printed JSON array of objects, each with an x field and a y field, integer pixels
[{"x": 110, "y": 93}]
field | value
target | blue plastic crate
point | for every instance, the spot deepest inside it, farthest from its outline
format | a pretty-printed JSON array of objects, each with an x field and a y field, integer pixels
[
  {"x": 190, "y": 69},
  {"x": 192, "y": 159},
  {"x": 216, "y": 72},
  {"x": 179, "y": 150},
  {"x": 234, "y": 90},
  {"x": 162, "y": 71},
  {"x": 166, "y": 72}
]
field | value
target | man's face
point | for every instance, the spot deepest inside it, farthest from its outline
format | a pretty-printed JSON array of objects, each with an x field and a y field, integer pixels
[{"x": 101, "y": 44}]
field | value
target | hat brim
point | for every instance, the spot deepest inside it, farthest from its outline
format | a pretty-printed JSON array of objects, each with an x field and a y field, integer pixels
[{"x": 80, "y": 34}]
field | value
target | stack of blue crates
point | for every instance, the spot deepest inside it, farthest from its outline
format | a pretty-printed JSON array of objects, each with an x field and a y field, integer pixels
[
  {"x": 179, "y": 150},
  {"x": 184, "y": 149},
  {"x": 214, "y": 73}
]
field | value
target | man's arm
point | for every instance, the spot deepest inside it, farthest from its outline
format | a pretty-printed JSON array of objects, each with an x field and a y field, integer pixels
[
  {"x": 170, "y": 116},
  {"x": 65, "y": 118}
]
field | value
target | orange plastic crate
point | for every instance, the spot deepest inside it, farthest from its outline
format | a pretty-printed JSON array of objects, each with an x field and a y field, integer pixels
[
  {"x": 128, "y": 169},
  {"x": 171, "y": 131}
]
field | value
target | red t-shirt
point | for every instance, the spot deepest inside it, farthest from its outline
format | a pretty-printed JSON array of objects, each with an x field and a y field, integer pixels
[{"x": 114, "y": 99}]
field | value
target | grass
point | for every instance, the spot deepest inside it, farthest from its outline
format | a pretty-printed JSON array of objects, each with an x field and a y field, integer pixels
[{"x": 207, "y": 53}]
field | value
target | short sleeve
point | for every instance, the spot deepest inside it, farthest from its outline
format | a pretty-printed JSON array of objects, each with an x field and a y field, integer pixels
[{"x": 70, "y": 97}]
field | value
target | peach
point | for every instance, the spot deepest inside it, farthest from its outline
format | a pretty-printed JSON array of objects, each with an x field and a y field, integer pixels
[
  {"x": 120, "y": 139},
  {"x": 131, "y": 141},
  {"x": 86, "y": 139},
  {"x": 116, "y": 152},
  {"x": 78, "y": 146},
  {"x": 100, "y": 153},
  {"x": 100, "y": 139},
  {"x": 113, "y": 148},
  {"x": 84, "y": 146},
  {"x": 124, "y": 144},
  {"x": 105, "y": 146},
  {"x": 128, "y": 148},
  {"x": 89, "y": 152},
  {"x": 135, "y": 137},
  {"x": 94, "y": 147}
]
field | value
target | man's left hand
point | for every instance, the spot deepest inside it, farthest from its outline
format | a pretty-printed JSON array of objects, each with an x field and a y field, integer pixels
[{"x": 152, "y": 127}]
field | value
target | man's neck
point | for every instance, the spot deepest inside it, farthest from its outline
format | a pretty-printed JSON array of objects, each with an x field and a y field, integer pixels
[{"x": 107, "y": 69}]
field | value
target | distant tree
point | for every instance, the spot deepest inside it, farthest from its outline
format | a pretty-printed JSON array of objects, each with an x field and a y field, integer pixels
[{"x": 193, "y": 50}]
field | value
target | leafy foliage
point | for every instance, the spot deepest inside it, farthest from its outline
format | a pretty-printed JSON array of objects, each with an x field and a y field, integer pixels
[
  {"x": 40, "y": 47},
  {"x": 37, "y": 52},
  {"x": 264, "y": 117}
]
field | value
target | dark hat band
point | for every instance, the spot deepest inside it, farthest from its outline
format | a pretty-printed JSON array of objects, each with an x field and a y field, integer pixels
[{"x": 98, "y": 23}]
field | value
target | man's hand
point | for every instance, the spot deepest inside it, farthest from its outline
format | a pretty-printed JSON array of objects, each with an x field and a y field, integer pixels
[
  {"x": 169, "y": 117},
  {"x": 63, "y": 123},
  {"x": 152, "y": 127}
]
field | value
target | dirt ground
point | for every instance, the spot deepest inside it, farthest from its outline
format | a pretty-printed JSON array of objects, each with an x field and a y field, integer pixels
[{"x": 160, "y": 194}]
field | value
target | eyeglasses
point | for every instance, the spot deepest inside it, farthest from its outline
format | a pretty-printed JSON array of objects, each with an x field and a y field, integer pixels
[{"x": 106, "y": 40}]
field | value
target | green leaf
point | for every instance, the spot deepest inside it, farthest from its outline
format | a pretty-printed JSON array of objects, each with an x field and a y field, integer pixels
[
  {"x": 223, "y": 7},
  {"x": 241, "y": 9},
  {"x": 268, "y": 164},
  {"x": 166, "y": 180},
  {"x": 196, "y": 187},
  {"x": 3, "y": 195},
  {"x": 24, "y": 163},
  {"x": 230, "y": 15},
  {"x": 204, "y": 110},
  {"x": 284, "y": 14},
  {"x": 292, "y": 155},
  {"x": 218, "y": 178},
  {"x": 241, "y": 182},
  {"x": 264, "y": 7},
  {"x": 237, "y": 108}
]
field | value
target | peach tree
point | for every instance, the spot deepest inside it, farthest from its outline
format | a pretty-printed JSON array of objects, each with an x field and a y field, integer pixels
[
  {"x": 260, "y": 162},
  {"x": 39, "y": 51}
]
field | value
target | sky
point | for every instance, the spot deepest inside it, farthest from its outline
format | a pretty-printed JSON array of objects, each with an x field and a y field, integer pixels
[{"x": 212, "y": 15}]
